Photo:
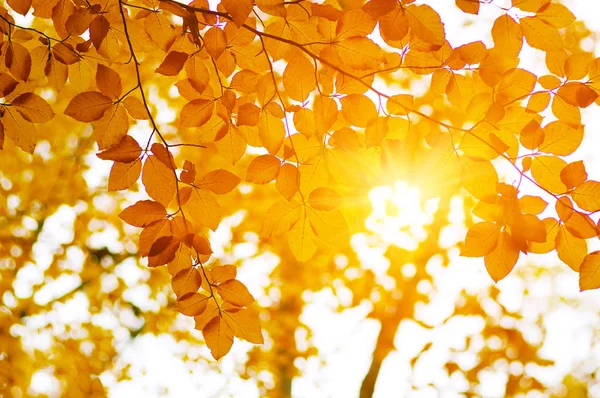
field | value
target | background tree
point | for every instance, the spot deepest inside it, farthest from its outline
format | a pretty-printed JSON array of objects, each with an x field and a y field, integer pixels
[{"x": 249, "y": 134}]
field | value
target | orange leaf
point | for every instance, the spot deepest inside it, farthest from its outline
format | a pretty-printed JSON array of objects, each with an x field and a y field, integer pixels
[
  {"x": 18, "y": 60},
  {"x": 219, "y": 181},
  {"x": 215, "y": 42},
  {"x": 108, "y": 82},
  {"x": 159, "y": 180},
  {"x": 288, "y": 180},
  {"x": 238, "y": 9},
  {"x": 481, "y": 239},
  {"x": 112, "y": 127},
  {"x": 573, "y": 174},
  {"x": 589, "y": 272},
  {"x": 263, "y": 169},
  {"x": 299, "y": 78},
  {"x": 235, "y": 292},
  {"x": 587, "y": 195},
  {"x": 245, "y": 325},
  {"x": 222, "y": 273},
  {"x": 204, "y": 208},
  {"x": 33, "y": 108},
  {"x": 186, "y": 281},
  {"x": 125, "y": 151},
  {"x": 136, "y": 108},
  {"x": 124, "y": 175},
  {"x": 468, "y": 6},
  {"x": 196, "y": 113},
  {"x": 172, "y": 64},
  {"x": 19, "y": 130},
  {"x": 500, "y": 261},
  {"x": 192, "y": 304},
  {"x": 143, "y": 213},
  {"x": 541, "y": 35},
  {"x": 218, "y": 336},
  {"x": 570, "y": 249},
  {"x": 88, "y": 106}
]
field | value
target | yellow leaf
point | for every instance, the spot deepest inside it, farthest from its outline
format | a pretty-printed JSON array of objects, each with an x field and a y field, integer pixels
[
  {"x": 301, "y": 238},
  {"x": 570, "y": 249},
  {"x": 507, "y": 35},
  {"x": 540, "y": 35},
  {"x": 359, "y": 53},
  {"x": 219, "y": 181},
  {"x": 530, "y": 5},
  {"x": 288, "y": 180},
  {"x": 330, "y": 226},
  {"x": 354, "y": 23},
  {"x": 324, "y": 199},
  {"x": 235, "y": 292},
  {"x": 400, "y": 104},
  {"x": 472, "y": 53},
  {"x": 358, "y": 109},
  {"x": 159, "y": 180},
  {"x": 565, "y": 112},
  {"x": 425, "y": 22},
  {"x": 299, "y": 78},
  {"x": 88, "y": 106},
  {"x": 587, "y": 196},
  {"x": 516, "y": 84},
  {"x": 271, "y": 132},
  {"x": 280, "y": 217},
  {"x": 218, "y": 336},
  {"x": 124, "y": 175},
  {"x": 204, "y": 208},
  {"x": 546, "y": 171},
  {"x": 538, "y": 101},
  {"x": 481, "y": 239},
  {"x": 143, "y": 213},
  {"x": 589, "y": 272},
  {"x": 263, "y": 169},
  {"x": 468, "y": 6},
  {"x": 501, "y": 260},
  {"x": 561, "y": 139},
  {"x": 532, "y": 204},
  {"x": 550, "y": 243},
  {"x": 557, "y": 15}
]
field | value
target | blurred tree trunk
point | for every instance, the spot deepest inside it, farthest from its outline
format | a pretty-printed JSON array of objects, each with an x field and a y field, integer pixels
[{"x": 404, "y": 309}]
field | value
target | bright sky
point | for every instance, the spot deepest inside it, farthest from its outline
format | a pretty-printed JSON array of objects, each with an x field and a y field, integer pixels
[{"x": 346, "y": 340}]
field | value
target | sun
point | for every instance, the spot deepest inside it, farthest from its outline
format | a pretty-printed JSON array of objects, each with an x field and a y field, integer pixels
[{"x": 399, "y": 214}]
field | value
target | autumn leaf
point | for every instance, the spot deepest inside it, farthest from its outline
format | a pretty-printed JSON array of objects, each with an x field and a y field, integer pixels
[
  {"x": 234, "y": 292},
  {"x": 218, "y": 336},
  {"x": 88, "y": 106},
  {"x": 143, "y": 213}
]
